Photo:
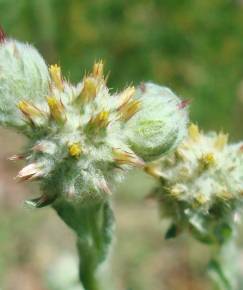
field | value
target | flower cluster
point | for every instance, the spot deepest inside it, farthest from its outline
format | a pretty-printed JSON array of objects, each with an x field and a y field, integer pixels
[
  {"x": 82, "y": 137},
  {"x": 201, "y": 184}
]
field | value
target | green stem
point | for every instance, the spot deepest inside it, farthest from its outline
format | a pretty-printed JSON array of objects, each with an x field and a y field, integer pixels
[
  {"x": 87, "y": 268},
  {"x": 223, "y": 267},
  {"x": 93, "y": 224}
]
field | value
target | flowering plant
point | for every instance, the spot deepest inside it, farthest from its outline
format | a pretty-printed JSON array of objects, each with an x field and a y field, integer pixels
[{"x": 83, "y": 139}]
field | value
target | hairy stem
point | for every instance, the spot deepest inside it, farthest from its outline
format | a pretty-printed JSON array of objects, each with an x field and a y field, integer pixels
[
  {"x": 93, "y": 224},
  {"x": 223, "y": 267}
]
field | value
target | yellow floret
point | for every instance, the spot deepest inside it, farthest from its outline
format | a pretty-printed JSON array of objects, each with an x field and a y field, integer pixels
[
  {"x": 74, "y": 149},
  {"x": 194, "y": 132},
  {"x": 56, "y": 76}
]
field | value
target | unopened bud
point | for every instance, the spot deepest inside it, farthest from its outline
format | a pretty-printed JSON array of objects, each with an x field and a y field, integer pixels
[
  {"x": 159, "y": 125},
  {"x": 24, "y": 76}
]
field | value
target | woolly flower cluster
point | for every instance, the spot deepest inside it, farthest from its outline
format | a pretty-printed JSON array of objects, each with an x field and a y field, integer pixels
[
  {"x": 82, "y": 138},
  {"x": 201, "y": 185}
]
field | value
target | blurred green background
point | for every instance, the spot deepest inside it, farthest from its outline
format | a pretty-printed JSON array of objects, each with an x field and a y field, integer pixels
[{"x": 193, "y": 46}]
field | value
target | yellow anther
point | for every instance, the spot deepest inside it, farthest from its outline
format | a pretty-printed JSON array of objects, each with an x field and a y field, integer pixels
[
  {"x": 180, "y": 155},
  {"x": 98, "y": 69},
  {"x": 175, "y": 191},
  {"x": 184, "y": 172},
  {"x": 56, "y": 76},
  {"x": 75, "y": 150},
  {"x": 29, "y": 110},
  {"x": 225, "y": 195},
  {"x": 201, "y": 199},
  {"x": 89, "y": 90},
  {"x": 207, "y": 160},
  {"x": 101, "y": 120},
  {"x": 221, "y": 141},
  {"x": 129, "y": 109},
  {"x": 103, "y": 115},
  {"x": 128, "y": 158},
  {"x": 153, "y": 170},
  {"x": 194, "y": 132},
  {"x": 56, "y": 109},
  {"x": 126, "y": 95}
]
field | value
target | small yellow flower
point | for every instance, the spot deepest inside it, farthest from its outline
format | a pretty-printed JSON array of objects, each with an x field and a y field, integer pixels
[
  {"x": 89, "y": 90},
  {"x": 56, "y": 109},
  {"x": 201, "y": 199},
  {"x": 29, "y": 110},
  {"x": 221, "y": 141},
  {"x": 153, "y": 170},
  {"x": 126, "y": 95},
  {"x": 128, "y": 158},
  {"x": 129, "y": 109},
  {"x": 194, "y": 132},
  {"x": 176, "y": 190},
  {"x": 98, "y": 69},
  {"x": 56, "y": 76},
  {"x": 207, "y": 160},
  {"x": 75, "y": 149},
  {"x": 101, "y": 120}
]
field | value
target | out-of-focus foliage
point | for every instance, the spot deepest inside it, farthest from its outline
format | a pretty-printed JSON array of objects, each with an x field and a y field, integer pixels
[{"x": 193, "y": 46}]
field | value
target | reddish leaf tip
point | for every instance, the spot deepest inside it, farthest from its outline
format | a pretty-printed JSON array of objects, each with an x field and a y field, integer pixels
[
  {"x": 184, "y": 104},
  {"x": 142, "y": 87},
  {"x": 2, "y": 35}
]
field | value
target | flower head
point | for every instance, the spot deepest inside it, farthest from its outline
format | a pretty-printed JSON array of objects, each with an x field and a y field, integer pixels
[
  {"x": 201, "y": 182},
  {"x": 83, "y": 138}
]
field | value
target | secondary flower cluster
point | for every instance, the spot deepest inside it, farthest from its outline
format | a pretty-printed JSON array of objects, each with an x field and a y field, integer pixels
[{"x": 201, "y": 184}]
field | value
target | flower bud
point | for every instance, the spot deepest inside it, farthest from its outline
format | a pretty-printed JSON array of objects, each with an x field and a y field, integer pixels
[
  {"x": 159, "y": 125},
  {"x": 23, "y": 76}
]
